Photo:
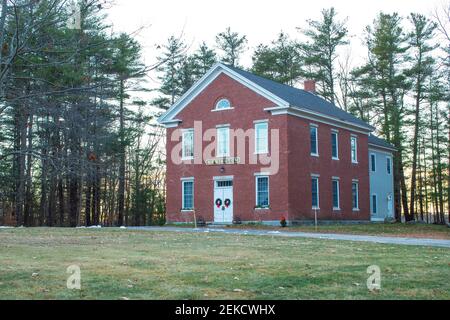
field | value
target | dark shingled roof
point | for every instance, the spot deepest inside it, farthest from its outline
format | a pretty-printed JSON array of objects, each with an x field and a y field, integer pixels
[
  {"x": 373, "y": 140},
  {"x": 301, "y": 98}
]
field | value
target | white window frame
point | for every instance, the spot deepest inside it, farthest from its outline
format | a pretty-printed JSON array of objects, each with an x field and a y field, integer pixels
[
  {"x": 222, "y": 109},
  {"x": 257, "y": 177},
  {"x": 316, "y": 177},
  {"x": 183, "y": 144},
  {"x": 373, "y": 162},
  {"x": 258, "y": 124},
  {"x": 316, "y": 128},
  {"x": 337, "y": 180},
  {"x": 357, "y": 195},
  {"x": 354, "y": 160},
  {"x": 219, "y": 154},
  {"x": 183, "y": 182},
  {"x": 372, "y": 202},
  {"x": 335, "y": 132},
  {"x": 389, "y": 164}
]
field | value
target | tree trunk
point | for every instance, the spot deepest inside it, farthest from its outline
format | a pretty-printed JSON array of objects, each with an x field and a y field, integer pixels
[{"x": 122, "y": 157}]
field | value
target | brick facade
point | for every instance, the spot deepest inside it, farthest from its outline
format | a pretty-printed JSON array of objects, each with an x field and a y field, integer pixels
[{"x": 290, "y": 188}]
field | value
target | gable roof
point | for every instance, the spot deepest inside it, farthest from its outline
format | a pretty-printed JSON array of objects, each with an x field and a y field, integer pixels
[
  {"x": 381, "y": 143},
  {"x": 282, "y": 95},
  {"x": 299, "y": 98}
]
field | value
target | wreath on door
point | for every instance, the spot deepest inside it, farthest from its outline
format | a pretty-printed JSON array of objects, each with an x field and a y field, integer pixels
[
  {"x": 219, "y": 203},
  {"x": 227, "y": 203}
]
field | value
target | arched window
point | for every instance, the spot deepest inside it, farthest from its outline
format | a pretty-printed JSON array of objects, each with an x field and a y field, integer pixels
[{"x": 223, "y": 104}]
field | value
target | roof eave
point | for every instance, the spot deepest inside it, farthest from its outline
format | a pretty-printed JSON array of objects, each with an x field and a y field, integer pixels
[
  {"x": 373, "y": 145},
  {"x": 367, "y": 129}
]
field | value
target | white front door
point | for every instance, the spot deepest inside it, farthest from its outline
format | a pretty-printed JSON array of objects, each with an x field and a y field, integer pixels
[{"x": 223, "y": 201}]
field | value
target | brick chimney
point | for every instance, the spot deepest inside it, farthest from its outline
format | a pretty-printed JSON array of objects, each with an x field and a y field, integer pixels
[{"x": 310, "y": 86}]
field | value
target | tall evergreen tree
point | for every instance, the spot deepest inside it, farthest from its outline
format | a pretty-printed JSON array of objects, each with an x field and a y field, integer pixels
[
  {"x": 203, "y": 59},
  {"x": 171, "y": 61},
  {"x": 386, "y": 46},
  {"x": 233, "y": 45},
  {"x": 422, "y": 68},
  {"x": 129, "y": 71},
  {"x": 324, "y": 36},
  {"x": 281, "y": 61}
]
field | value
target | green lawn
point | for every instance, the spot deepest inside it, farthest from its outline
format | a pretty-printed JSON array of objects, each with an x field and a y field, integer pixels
[{"x": 123, "y": 264}]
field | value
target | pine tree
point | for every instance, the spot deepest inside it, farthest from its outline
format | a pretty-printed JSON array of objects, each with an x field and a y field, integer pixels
[
  {"x": 422, "y": 68},
  {"x": 384, "y": 74},
  {"x": 203, "y": 59},
  {"x": 324, "y": 36},
  {"x": 129, "y": 71},
  {"x": 233, "y": 45},
  {"x": 281, "y": 61},
  {"x": 171, "y": 62}
]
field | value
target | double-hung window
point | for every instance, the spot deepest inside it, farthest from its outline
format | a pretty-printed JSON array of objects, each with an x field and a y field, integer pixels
[
  {"x": 374, "y": 204},
  {"x": 354, "y": 149},
  {"x": 314, "y": 138},
  {"x": 373, "y": 162},
  {"x": 389, "y": 165},
  {"x": 336, "y": 191},
  {"x": 315, "y": 192},
  {"x": 188, "y": 144},
  {"x": 335, "y": 145},
  {"x": 188, "y": 194},
  {"x": 262, "y": 192},
  {"x": 355, "y": 195},
  {"x": 262, "y": 137},
  {"x": 223, "y": 141}
]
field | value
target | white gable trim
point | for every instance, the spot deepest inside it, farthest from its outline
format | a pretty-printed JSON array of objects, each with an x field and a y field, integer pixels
[{"x": 218, "y": 69}]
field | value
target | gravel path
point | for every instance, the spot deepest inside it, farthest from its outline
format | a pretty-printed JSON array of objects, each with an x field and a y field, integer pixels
[{"x": 327, "y": 236}]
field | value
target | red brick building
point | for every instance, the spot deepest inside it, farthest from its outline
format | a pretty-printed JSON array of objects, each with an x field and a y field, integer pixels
[{"x": 244, "y": 148}]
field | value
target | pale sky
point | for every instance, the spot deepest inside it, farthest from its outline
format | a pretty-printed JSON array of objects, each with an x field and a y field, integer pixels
[{"x": 260, "y": 20}]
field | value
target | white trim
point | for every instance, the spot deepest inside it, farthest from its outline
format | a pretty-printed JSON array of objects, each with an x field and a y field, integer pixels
[
  {"x": 373, "y": 161},
  {"x": 188, "y": 179},
  {"x": 316, "y": 128},
  {"x": 315, "y": 177},
  {"x": 223, "y": 178},
  {"x": 338, "y": 208},
  {"x": 223, "y": 126},
  {"x": 261, "y": 121},
  {"x": 262, "y": 174},
  {"x": 183, "y": 181},
  {"x": 335, "y": 132},
  {"x": 172, "y": 124},
  {"x": 218, "y": 110},
  {"x": 205, "y": 81},
  {"x": 257, "y": 177}
]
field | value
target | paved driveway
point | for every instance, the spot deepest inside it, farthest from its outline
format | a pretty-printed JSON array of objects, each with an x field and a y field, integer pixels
[{"x": 328, "y": 236}]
